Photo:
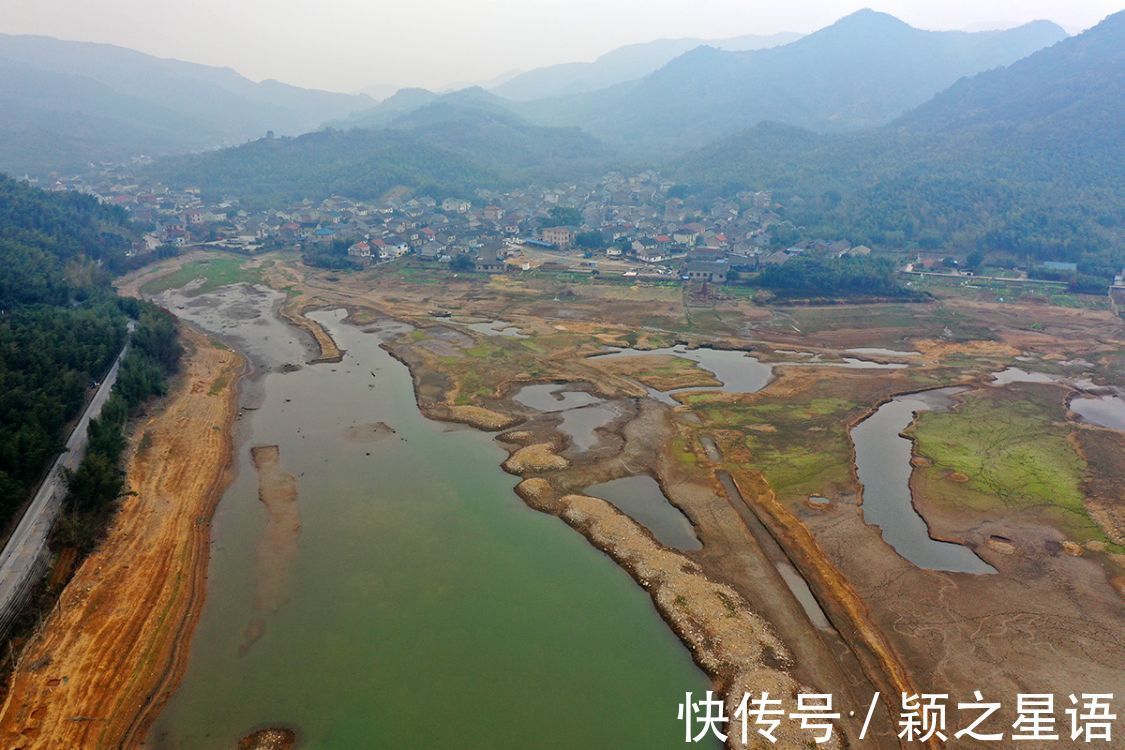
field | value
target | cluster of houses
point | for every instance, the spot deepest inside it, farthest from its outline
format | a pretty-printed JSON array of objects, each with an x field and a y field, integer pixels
[{"x": 639, "y": 221}]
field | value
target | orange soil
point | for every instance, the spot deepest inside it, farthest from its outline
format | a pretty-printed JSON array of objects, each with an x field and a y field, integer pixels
[{"x": 110, "y": 653}]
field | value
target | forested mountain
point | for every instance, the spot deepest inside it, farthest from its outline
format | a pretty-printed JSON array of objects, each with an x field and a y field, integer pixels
[
  {"x": 449, "y": 147},
  {"x": 397, "y": 108},
  {"x": 623, "y": 64},
  {"x": 1028, "y": 159},
  {"x": 382, "y": 114},
  {"x": 358, "y": 163},
  {"x": 60, "y": 323},
  {"x": 862, "y": 71},
  {"x": 67, "y": 103},
  {"x": 495, "y": 137}
]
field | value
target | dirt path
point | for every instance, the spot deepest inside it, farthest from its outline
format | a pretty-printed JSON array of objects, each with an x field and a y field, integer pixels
[{"x": 109, "y": 655}]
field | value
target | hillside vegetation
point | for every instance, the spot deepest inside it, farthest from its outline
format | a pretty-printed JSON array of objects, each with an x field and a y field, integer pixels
[
  {"x": 862, "y": 71},
  {"x": 444, "y": 148},
  {"x": 1027, "y": 159},
  {"x": 60, "y": 324}
]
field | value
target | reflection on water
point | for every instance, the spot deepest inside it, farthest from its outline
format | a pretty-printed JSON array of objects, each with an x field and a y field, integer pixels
[
  {"x": 804, "y": 595},
  {"x": 497, "y": 328},
  {"x": 1017, "y": 375},
  {"x": 422, "y": 588},
  {"x": 736, "y": 370},
  {"x": 875, "y": 351},
  {"x": 581, "y": 425},
  {"x": 883, "y": 463},
  {"x": 1105, "y": 411},
  {"x": 549, "y": 397},
  {"x": 641, "y": 499},
  {"x": 582, "y": 413}
]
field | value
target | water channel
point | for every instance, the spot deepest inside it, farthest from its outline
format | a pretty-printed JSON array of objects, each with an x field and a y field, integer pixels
[
  {"x": 423, "y": 604},
  {"x": 883, "y": 464}
]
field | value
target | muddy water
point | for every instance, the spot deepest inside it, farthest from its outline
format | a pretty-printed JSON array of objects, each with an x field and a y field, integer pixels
[
  {"x": 581, "y": 425},
  {"x": 883, "y": 464},
  {"x": 641, "y": 499},
  {"x": 582, "y": 413},
  {"x": 553, "y": 397},
  {"x": 427, "y": 606},
  {"x": 1017, "y": 375},
  {"x": 1105, "y": 411},
  {"x": 736, "y": 370}
]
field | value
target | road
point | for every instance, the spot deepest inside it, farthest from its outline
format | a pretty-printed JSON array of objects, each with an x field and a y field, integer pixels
[
  {"x": 23, "y": 556},
  {"x": 1003, "y": 279}
]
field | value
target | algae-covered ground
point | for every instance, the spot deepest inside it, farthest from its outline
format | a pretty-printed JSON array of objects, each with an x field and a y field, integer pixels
[
  {"x": 1007, "y": 449},
  {"x": 215, "y": 272}
]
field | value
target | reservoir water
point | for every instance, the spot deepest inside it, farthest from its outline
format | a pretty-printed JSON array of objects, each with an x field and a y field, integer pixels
[
  {"x": 421, "y": 603},
  {"x": 882, "y": 458}
]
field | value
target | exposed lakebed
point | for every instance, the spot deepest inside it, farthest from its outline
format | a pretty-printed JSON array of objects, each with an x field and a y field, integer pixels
[{"x": 426, "y": 605}]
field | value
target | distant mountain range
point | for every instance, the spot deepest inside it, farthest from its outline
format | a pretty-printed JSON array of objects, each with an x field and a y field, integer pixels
[
  {"x": 1028, "y": 159},
  {"x": 65, "y": 103},
  {"x": 861, "y": 71},
  {"x": 623, "y": 64},
  {"x": 448, "y": 146}
]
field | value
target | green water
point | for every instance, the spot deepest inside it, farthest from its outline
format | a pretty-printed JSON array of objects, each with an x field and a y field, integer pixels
[{"x": 428, "y": 606}]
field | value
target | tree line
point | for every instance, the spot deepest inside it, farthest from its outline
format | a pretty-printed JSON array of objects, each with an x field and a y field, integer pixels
[
  {"x": 62, "y": 325},
  {"x": 99, "y": 481}
]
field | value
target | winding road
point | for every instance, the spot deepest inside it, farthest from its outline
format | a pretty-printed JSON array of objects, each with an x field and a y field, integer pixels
[{"x": 23, "y": 558}]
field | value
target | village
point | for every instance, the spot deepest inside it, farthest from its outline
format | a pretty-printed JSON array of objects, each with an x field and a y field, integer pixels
[
  {"x": 640, "y": 226},
  {"x": 637, "y": 226}
]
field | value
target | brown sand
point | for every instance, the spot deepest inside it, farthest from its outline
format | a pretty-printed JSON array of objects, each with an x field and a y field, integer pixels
[{"x": 108, "y": 656}]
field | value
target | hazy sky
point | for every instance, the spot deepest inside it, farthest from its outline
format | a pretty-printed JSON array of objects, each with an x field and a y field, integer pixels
[{"x": 347, "y": 45}]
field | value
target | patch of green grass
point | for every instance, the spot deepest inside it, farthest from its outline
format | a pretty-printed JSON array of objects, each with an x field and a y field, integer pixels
[
  {"x": 1013, "y": 446},
  {"x": 800, "y": 443},
  {"x": 1000, "y": 291},
  {"x": 216, "y": 272},
  {"x": 219, "y": 385},
  {"x": 834, "y": 317}
]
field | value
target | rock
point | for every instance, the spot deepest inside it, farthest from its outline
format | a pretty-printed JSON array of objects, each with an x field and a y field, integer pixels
[
  {"x": 1001, "y": 544},
  {"x": 1072, "y": 548},
  {"x": 269, "y": 739},
  {"x": 481, "y": 418},
  {"x": 537, "y": 457}
]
